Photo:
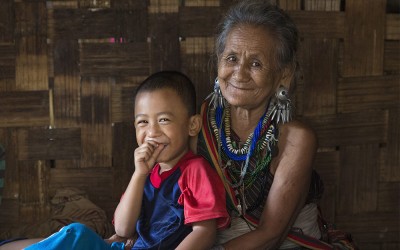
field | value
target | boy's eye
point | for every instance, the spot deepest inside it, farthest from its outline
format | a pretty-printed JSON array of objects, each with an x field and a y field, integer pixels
[
  {"x": 141, "y": 122},
  {"x": 164, "y": 120}
]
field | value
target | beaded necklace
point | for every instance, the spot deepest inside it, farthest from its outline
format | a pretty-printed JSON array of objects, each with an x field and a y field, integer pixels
[{"x": 265, "y": 128}]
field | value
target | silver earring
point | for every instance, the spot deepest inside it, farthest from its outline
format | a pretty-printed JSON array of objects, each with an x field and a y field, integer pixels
[
  {"x": 216, "y": 98},
  {"x": 282, "y": 108}
]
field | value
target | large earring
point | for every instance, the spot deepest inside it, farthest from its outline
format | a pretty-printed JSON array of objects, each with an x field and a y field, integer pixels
[
  {"x": 216, "y": 98},
  {"x": 282, "y": 108}
]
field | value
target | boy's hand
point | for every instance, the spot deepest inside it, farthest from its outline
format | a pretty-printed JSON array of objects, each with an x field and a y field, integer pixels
[{"x": 146, "y": 155}]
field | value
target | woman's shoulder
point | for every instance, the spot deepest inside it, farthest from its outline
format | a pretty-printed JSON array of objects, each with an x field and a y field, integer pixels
[{"x": 297, "y": 133}]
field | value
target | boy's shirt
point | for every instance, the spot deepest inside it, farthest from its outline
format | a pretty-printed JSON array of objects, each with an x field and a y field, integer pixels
[{"x": 190, "y": 192}]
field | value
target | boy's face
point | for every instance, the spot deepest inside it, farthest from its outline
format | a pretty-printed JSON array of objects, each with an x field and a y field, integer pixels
[{"x": 161, "y": 117}]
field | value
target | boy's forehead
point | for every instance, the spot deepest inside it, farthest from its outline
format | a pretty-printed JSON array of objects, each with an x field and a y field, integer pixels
[{"x": 165, "y": 97}]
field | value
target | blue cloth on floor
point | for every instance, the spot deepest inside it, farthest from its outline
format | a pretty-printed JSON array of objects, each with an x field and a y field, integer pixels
[{"x": 75, "y": 236}]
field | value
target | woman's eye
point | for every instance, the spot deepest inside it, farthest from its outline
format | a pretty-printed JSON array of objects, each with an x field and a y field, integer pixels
[
  {"x": 231, "y": 59},
  {"x": 255, "y": 64}
]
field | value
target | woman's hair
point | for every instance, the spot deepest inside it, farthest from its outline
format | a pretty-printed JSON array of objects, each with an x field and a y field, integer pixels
[
  {"x": 174, "y": 80},
  {"x": 274, "y": 20}
]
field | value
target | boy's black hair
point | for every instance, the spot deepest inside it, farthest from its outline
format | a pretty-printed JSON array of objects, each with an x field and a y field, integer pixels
[{"x": 175, "y": 81}]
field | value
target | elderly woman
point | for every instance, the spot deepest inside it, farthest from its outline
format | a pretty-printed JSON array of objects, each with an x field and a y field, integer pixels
[{"x": 262, "y": 155}]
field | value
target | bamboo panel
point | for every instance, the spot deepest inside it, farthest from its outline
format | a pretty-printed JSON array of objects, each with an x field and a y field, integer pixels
[
  {"x": 46, "y": 144},
  {"x": 122, "y": 105},
  {"x": 97, "y": 182},
  {"x": 85, "y": 24},
  {"x": 7, "y": 24},
  {"x": 124, "y": 144},
  {"x": 99, "y": 4},
  {"x": 367, "y": 93},
  {"x": 289, "y": 4},
  {"x": 66, "y": 87},
  {"x": 120, "y": 60},
  {"x": 201, "y": 3},
  {"x": 388, "y": 196},
  {"x": 319, "y": 85},
  {"x": 7, "y": 67},
  {"x": 326, "y": 164},
  {"x": 350, "y": 129},
  {"x": 390, "y": 170},
  {"x": 198, "y": 21},
  {"x": 322, "y": 5},
  {"x": 364, "y": 38},
  {"x": 164, "y": 35},
  {"x": 33, "y": 179},
  {"x": 163, "y": 6},
  {"x": 358, "y": 185},
  {"x": 319, "y": 24},
  {"x": 129, "y": 4},
  {"x": 195, "y": 53},
  {"x": 9, "y": 214},
  {"x": 371, "y": 227},
  {"x": 391, "y": 60},
  {"x": 392, "y": 27},
  {"x": 22, "y": 108},
  {"x": 31, "y": 46},
  {"x": 96, "y": 130},
  {"x": 11, "y": 174}
]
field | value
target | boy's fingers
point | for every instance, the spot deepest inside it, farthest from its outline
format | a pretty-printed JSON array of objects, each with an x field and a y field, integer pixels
[{"x": 156, "y": 152}]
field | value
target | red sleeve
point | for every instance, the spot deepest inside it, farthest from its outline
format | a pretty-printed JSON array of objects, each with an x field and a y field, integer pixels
[{"x": 203, "y": 194}]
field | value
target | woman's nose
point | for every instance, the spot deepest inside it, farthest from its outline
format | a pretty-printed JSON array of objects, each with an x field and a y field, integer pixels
[{"x": 241, "y": 72}]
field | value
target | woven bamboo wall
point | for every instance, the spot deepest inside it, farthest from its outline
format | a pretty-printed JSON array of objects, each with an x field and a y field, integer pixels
[{"x": 68, "y": 70}]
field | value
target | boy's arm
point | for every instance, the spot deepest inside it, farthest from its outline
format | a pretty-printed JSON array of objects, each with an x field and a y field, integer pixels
[
  {"x": 202, "y": 237},
  {"x": 128, "y": 209}
]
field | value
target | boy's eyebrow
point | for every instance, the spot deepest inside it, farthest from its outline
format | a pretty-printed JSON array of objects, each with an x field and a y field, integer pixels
[{"x": 159, "y": 113}]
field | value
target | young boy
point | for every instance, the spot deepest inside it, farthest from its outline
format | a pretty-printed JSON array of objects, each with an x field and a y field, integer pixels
[{"x": 174, "y": 199}]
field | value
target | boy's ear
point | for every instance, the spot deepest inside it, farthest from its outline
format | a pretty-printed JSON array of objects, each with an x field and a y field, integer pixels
[{"x": 195, "y": 125}]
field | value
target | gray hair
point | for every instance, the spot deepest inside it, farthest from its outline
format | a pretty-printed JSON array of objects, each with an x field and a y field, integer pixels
[{"x": 273, "y": 19}]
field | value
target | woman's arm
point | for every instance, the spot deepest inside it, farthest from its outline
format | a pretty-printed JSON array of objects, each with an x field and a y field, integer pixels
[
  {"x": 202, "y": 236},
  {"x": 293, "y": 166}
]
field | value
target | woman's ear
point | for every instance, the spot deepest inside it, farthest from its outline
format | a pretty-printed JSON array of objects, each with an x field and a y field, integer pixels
[
  {"x": 195, "y": 125},
  {"x": 287, "y": 78}
]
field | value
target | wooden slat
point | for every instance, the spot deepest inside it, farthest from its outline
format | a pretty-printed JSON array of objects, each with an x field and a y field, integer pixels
[
  {"x": 391, "y": 63},
  {"x": 196, "y": 53},
  {"x": 319, "y": 24},
  {"x": 66, "y": 89},
  {"x": 7, "y": 24},
  {"x": 370, "y": 226},
  {"x": 290, "y": 4},
  {"x": 388, "y": 196},
  {"x": 31, "y": 46},
  {"x": 8, "y": 138},
  {"x": 350, "y": 129},
  {"x": 47, "y": 144},
  {"x": 364, "y": 38},
  {"x": 392, "y": 27},
  {"x": 322, "y": 5},
  {"x": 366, "y": 93},
  {"x": 96, "y": 130},
  {"x": 124, "y": 144},
  {"x": 390, "y": 170},
  {"x": 20, "y": 109},
  {"x": 358, "y": 185},
  {"x": 164, "y": 42},
  {"x": 125, "y": 59},
  {"x": 122, "y": 105},
  {"x": 7, "y": 67},
  {"x": 319, "y": 85},
  {"x": 33, "y": 179},
  {"x": 198, "y": 21}
]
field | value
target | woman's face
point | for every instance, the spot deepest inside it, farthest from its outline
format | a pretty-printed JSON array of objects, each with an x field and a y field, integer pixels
[{"x": 246, "y": 72}]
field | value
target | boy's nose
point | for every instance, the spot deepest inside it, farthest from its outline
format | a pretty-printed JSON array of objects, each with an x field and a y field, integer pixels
[{"x": 153, "y": 130}]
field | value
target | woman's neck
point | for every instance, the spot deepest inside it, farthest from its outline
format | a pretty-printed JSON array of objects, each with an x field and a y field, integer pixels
[{"x": 244, "y": 121}]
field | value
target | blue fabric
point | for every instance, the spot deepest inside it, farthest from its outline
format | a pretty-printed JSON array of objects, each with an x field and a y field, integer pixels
[
  {"x": 161, "y": 223},
  {"x": 75, "y": 236}
]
